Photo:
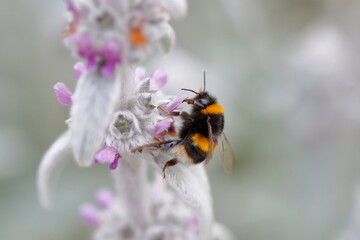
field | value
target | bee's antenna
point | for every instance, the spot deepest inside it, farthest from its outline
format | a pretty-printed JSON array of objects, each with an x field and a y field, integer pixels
[
  {"x": 185, "y": 89},
  {"x": 204, "y": 81}
]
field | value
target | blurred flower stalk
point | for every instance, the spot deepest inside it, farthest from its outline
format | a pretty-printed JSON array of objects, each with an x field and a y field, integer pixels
[{"x": 113, "y": 110}]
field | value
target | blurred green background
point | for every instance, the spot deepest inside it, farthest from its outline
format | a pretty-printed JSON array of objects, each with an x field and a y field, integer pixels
[{"x": 288, "y": 75}]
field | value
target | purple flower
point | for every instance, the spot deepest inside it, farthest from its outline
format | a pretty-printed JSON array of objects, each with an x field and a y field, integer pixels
[
  {"x": 174, "y": 105},
  {"x": 111, "y": 54},
  {"x": 79, "y": 69},
  {"x": 71, "y": 7},
  {"x": 85, "y": 49},
  {"x": 75, "y": 18},
  {"x": 90, "y": 215},
  {"x": 140, "y": 73},
  {"x": 108, "y": 155},
  {"x": 160, "y": 77},
  {"x": 63, "y": 94},
  {"x": 163, "y": 127},
  {"x": 104, "y": 198},
  {"x": 113, "y": 165},
  {"x": 166, "y": 126}
]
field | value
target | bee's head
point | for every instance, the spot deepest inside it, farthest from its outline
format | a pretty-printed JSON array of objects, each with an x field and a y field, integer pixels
[{"x": 202, "y": 99}]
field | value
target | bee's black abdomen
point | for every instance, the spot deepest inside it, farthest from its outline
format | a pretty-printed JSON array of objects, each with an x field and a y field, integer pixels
[{"x": 195, "y": 153}]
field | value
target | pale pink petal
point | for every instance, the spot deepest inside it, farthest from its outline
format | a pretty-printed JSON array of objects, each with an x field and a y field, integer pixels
[
  {"x": 140, "y": 73},
  {"x": 172, "y": 106},
  {"x": 71, "y": 7},
  {"x": 193, "y": 227},
  {"x": 160, "y": 77},
  {"x": 107, "y": 155},
  {"x": 63, "y": 94},
  {"x": 163, "y": 126},
  {"x": 104, "y": 198},
  {"x": 79, "y": 69},
  {"x": 90, "y": 215}
]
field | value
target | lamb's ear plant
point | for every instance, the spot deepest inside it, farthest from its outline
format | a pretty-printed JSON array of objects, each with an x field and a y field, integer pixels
[{"x": 112, "y": 111}]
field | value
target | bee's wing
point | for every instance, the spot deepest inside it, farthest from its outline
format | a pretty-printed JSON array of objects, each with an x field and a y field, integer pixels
[
  {"x": 227, "y": 155},
  {"x": 210, "y": 152}
]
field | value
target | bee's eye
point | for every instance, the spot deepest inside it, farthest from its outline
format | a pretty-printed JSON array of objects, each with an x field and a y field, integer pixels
[{"x": 204, "y": 101}]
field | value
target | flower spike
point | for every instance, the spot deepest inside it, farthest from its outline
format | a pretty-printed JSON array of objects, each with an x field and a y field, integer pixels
[{"x": 117, "y": 108}]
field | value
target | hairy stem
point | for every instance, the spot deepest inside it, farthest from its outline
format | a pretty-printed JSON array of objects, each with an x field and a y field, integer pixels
[
  {"x": 126, "y": 74},
  {"x": 132, "y": 189},
  {"x": 130, "y": 176}
]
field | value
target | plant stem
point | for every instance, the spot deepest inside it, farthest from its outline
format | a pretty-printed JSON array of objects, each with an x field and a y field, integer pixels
[
  {"x": 130, "y": 177},
  {"x": 132, "y": 189},
  {"x": 126, "y": 75}
]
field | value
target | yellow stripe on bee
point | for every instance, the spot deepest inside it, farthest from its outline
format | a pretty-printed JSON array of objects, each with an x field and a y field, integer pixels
[
  {"x": 202, "y": 142},
  {"x": 215, "y": 108}
]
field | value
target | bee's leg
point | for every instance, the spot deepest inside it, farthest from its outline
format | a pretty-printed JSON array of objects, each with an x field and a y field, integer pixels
[
  {"x": 168, "y": 144},
  {"x": 184, "y": 115},
  {"x": 169, "y": 163},
  {"x": 152, "y": 146},
  {"x": 189, "y": 101},
  {"x": 171, "y": 114},
  {"x": 157, "y": 145}
]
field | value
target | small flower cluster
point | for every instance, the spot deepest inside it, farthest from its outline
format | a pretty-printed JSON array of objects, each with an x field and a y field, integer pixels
[
  {"x": 140, "y": 123},
  {"x": 171, "y": 218},
  {"x": 106, "y": 32}
]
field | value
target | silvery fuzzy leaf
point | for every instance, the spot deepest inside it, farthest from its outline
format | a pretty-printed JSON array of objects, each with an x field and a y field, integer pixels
[
  {"x": 167, "y": 42},
  {"x": 144, "y": 86},
  {"x": 176, "y": 8},
  {"x": 94, "y": 103},
  {"x": 50, "y": 167},
  {"x": 220, "y": 232},
  {"x": 190, "y": 182}
]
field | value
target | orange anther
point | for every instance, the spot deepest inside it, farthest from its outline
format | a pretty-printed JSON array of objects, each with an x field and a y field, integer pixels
[
  {"x": 137, "y": 37},
  {"x": 72, "y": 28}
]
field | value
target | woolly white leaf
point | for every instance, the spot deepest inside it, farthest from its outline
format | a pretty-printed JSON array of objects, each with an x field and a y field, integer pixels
[
  {"x": 94, "y": 102},
  {"x": 220, "y": 232},
  {"x": 176, "y": 8},
  {"x": 50, "y": 167},
  {"x": 192, "y": 185},
  {"x": 167, "y": 42}
]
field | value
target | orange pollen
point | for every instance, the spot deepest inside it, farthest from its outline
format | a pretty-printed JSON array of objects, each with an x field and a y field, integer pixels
[
  {"x": 72, "y": 27},
  {"x": 137, "y": 37}
]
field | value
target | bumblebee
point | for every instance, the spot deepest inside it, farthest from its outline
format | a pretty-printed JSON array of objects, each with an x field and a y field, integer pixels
[{"x": 202, "y": 130}]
